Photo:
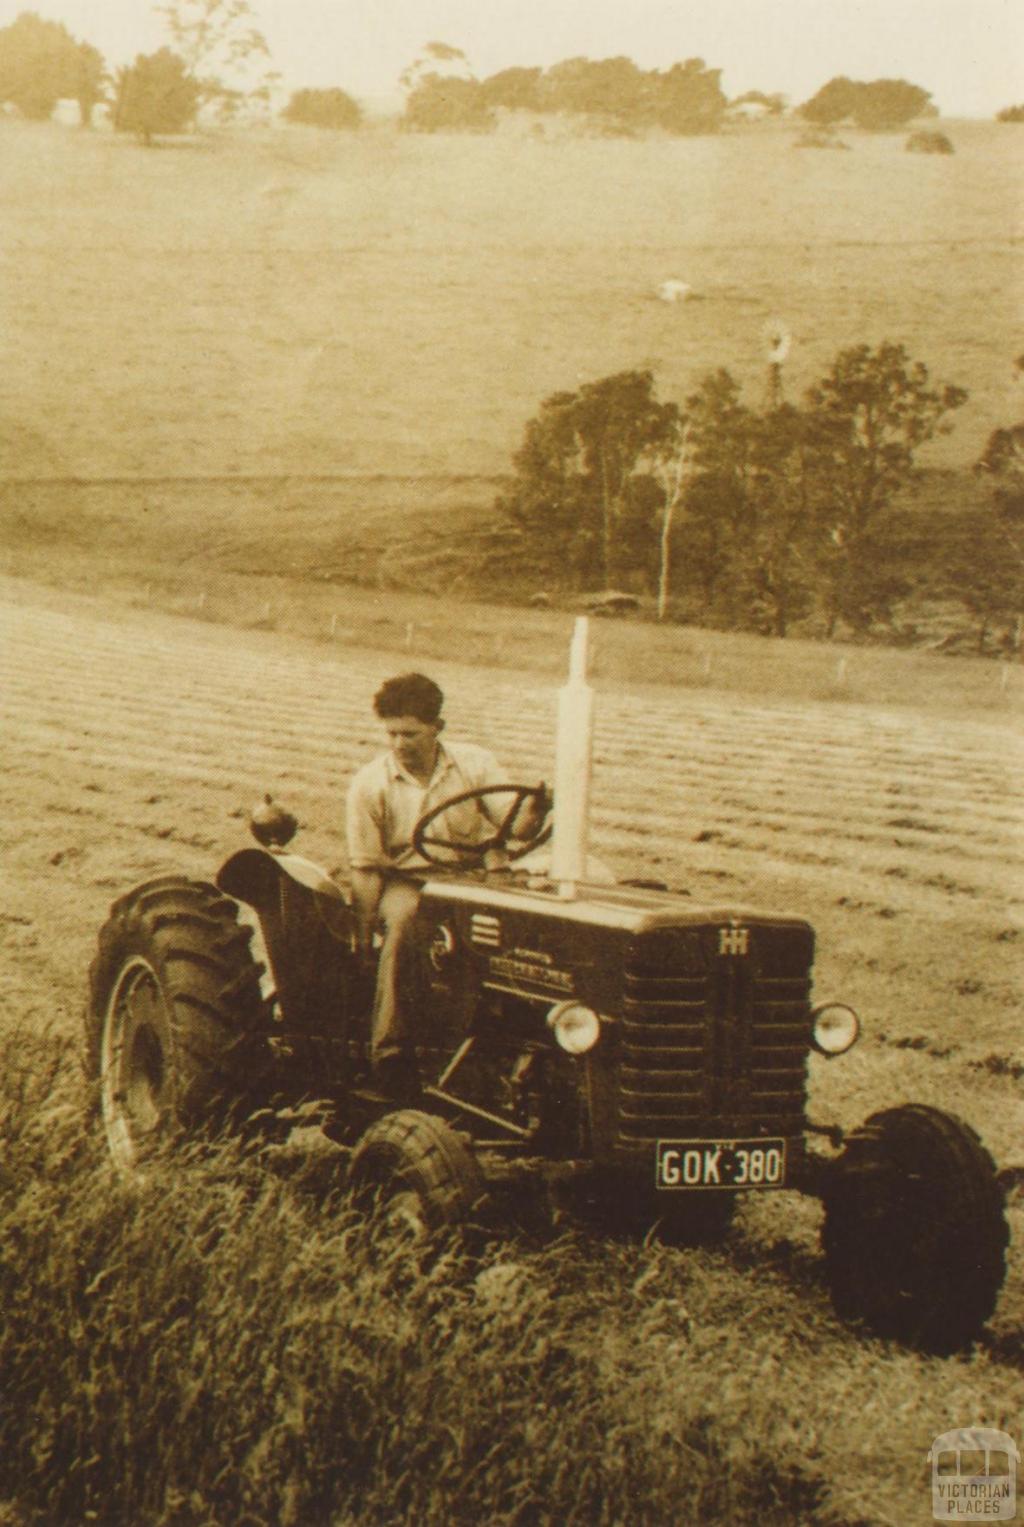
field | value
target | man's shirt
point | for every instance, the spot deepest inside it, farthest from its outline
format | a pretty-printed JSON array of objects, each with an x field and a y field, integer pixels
[{"x": 385, "y": 802}]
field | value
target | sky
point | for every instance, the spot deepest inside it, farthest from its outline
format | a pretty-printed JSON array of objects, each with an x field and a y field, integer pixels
[{"x": 968, "y": 53}]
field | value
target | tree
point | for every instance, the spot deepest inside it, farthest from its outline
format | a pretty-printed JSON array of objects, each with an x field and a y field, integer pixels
[
  {"x": 40, "y": 63},
  {"x": 155, "y": 95},
  {"x": 608, "y": 88},
  {"x": 868, "y": 417},
  {"x": 687, "y": 99},
  {"x": 718, "y": 428},
  {"x": 443, "y": 94},
  {"x": 671, "y": 466},
  {"x": 747, "y": 539},
  {"x": 223, "y": 51},
  {"x": 775, "y": 565},
  {"x": 834, "y": 102},
  {"x": 445, "y": 103},
  {"x": 332, "y": 108},
  {"x": 875, "y": 104},
  {"x": 90, "y": 81},
  {"x": 436, "y": 60},
  {"x": 994, "y": 576},
  {"x": 586, "y": 493},
  {"x": 890, "y": 103},
  {"x": 516, "y": 89}
]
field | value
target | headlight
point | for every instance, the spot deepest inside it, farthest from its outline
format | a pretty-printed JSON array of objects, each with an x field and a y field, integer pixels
[
  {"x": 836, "y": 1028},
  {"x": 575, "y": 1027}
]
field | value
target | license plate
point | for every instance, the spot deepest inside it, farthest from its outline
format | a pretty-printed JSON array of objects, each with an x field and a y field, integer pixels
[{"x": 720, "y": 1164}]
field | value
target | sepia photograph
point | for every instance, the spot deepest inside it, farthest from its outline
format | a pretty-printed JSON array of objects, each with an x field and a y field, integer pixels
[{"x": 511, "y": 698}]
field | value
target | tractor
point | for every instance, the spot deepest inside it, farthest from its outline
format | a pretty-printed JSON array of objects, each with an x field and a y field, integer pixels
[{"x": 617, "y": 1047}]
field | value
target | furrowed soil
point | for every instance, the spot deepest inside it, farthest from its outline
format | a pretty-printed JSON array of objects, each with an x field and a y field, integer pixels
[{"x": 136, "y": 741}]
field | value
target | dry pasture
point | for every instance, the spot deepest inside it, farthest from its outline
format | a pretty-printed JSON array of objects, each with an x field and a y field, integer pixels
[{"x": 301, "y": 303}]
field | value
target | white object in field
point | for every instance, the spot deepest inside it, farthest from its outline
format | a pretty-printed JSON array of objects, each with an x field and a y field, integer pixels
[
  {"x": 573, "y": 749},
  {"x": 675, "y": 291},
  {"x": 777, "y": 340}
]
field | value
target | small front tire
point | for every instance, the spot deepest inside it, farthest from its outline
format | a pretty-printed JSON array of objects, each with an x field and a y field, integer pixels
[{"x": 419, "y": 1169}]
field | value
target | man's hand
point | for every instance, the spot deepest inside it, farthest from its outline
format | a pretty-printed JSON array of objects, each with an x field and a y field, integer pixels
[
  {"x": 367, "y": 886},
  {"x": 532, "y": 814}
]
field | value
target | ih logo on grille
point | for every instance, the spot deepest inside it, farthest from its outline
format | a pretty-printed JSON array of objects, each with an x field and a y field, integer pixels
[{"x": 734, "y": 940}]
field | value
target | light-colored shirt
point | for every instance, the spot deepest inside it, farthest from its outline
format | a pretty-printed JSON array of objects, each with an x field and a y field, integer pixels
[{"x": 385, "y": 802}]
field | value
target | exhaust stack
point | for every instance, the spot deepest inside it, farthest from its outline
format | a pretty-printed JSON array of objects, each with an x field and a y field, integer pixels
[{"x": 573, "y": 751}]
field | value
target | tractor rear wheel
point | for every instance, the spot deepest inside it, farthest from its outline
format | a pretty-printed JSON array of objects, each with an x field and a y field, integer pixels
[
  {"x": 915, "y": 1229},
  {"x": 176, "y": 1023},
  {"x": 419, "y": 1169}
]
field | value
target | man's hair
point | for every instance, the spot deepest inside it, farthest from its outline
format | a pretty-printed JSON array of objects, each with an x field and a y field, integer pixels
[{"x": 409, "y": 694}]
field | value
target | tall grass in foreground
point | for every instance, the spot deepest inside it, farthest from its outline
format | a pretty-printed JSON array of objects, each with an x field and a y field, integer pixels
[
  {"x": 220, "y": 1344},
  {"x": 216, "y": 1344}
]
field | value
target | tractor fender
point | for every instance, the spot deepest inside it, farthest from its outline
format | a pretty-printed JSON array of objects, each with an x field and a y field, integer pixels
[
  {"x": 253, "y": 876},
  {"x": 308, "y": 933}
]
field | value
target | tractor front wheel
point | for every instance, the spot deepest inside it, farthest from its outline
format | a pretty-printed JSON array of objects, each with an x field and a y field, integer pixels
[
  {"x": 915, "y": 1229},
  {"x": 416, "y": 1167}
]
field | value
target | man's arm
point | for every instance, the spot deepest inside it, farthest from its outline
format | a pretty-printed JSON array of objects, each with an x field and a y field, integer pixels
[
  {"x": 367, "y": 885},
  {"x": 366, "y": 852}
]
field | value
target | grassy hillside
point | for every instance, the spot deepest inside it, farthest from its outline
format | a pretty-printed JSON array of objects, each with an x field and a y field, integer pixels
[{"x": 306, "y": 303}]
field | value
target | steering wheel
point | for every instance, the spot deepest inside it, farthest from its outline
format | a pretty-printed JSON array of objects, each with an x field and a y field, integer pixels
[{"x": 474, "y": 853}]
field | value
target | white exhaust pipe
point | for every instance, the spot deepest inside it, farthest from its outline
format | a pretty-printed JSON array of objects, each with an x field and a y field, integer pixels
[{"x": 573, "y": 754}]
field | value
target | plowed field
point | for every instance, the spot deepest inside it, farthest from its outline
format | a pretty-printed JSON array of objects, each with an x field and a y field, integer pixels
[{"x": 136, "y": 742}]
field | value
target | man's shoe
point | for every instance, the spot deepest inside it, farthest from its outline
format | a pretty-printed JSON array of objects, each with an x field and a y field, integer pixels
[{"x": 394, "y": 1079}]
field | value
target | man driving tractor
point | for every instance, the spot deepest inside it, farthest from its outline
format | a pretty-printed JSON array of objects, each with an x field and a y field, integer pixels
[{"x": 386, "y": 799}]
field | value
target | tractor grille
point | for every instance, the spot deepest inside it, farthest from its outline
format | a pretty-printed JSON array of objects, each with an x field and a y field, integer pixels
[{"x": 714, "y": 1045}]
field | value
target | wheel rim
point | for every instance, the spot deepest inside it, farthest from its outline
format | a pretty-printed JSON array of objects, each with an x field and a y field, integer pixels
[
  {"x": 402, "y": 1209},
  {"x": 135, "y": 1069},
  {"x": 395, "y": 1201}
]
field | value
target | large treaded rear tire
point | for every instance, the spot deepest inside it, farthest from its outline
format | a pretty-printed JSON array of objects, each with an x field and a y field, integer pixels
[
  {"x": 915, "y": 1229},
  {"x": 176, "y": 1021},
  {"x": 419, "y": 1168}
]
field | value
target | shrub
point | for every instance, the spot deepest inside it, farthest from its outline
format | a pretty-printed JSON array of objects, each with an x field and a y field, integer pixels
[
  {"x": 332, "y": 108},
  {"x": 929, "y": 142},
  {"x": 1010, "y": 114}
]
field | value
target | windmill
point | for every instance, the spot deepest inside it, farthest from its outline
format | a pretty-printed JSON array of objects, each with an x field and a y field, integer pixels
[{"x": 777, "y": 340}]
